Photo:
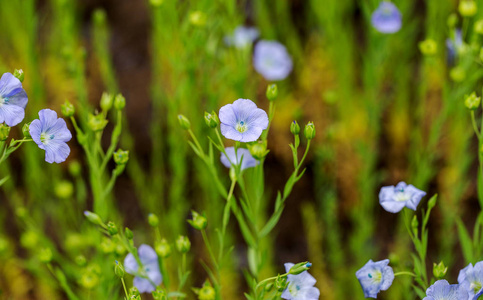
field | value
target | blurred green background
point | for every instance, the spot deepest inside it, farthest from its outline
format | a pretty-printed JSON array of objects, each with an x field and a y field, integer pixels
[{"x": 384, "y": 113}]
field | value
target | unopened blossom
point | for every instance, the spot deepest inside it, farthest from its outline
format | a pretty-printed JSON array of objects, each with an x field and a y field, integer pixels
[
  {"x": 242, "y": 37},
  {"x": 271, "y": 60},
  {"x": 51, "y": 134},
  {"x": 442, "y": 290},
  {"x": 301, "y": 286},
  {"x": 375, "y": 277},
  {"x": 471, "y": 279},
  {"x": 242, "y": 155},
  {"x": 242, "y": 121},
  {"x": 149, "y": 269},
  {"x": 386, "y": 18},
  {"x": 13, "y": 100},
  {"x": 394, "y": 198}
]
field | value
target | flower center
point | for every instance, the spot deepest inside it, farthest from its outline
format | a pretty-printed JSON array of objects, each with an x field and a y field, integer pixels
[
  {"x": 400, "y": 195},
  {"x": 376, "y": 276},
  {"x": 475, "y": 286},
  {"x": 293, "y": 289},
  {"x": 241, "y": 127},
  {"x": 3, "y": 100},
  {"x": 44, "y": 137}
]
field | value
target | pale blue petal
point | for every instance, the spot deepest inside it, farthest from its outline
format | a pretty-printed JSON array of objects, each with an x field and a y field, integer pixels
[
  {"x": 386, "y": 18},
  {"x": 251, "y": 135},
  {"x": 288, "y": 266},
  {"x": 35, "y": 130},
  {"x": 11, "y": 114},
  {"x": 393, "y": 206},
  {"x": 387, "y": 278},
  {"x": 230, "y": 132},
  {"x": 143, "y": 285},
  {"x": 48, "y": 118},
  {"x": 60, "y": 131},
  {"x": 272, "y": 60},
  {"x": 147, "y": 255},
  {"x": 130, "y": 264},
  {"x": 9, "y": 85}
]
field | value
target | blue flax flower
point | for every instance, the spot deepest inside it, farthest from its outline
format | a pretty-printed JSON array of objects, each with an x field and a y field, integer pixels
[
  {"x": 301, "y": 286},
  {"x": 51, "y": 134},
  {"x": 454, "y": 45},
  {"x": 442, "y": 290},
  {"x": 242, "y": 121},
  {"x": 375, "y": 277},
  {"x": 386, "y": 18},
  {"x": 150, "y": 269},
  {"x": 13, "y": 100},
  {"x": 471, "y": 279},
  {"x": 242, "y": 37},
  {"x": 394, "y": 198},
  {"x": 272, "y": 60},
  {"x": 242, "y": 154}
]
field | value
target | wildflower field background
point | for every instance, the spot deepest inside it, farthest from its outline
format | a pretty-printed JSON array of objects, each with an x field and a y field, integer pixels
[{"x": 133, "y": 79}]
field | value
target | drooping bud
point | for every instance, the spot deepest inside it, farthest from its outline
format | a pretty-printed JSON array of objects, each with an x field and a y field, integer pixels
[
  {"x": 472, "y": 102},
  {"x": 68, "y": 110},
  {"x": 183, "y": 244},
  {"x": 299, "y": 268},
  {"x": 309, "y": 130},
  {"x": 199, "y": 221},
  {"x": 93, "y": 218},
  {"x": 163, "y": 248},
  {"x": 211, "y": 119},
  {"x": 272, "y": 92},
  {"x": 294, "y": 128},
  {"x": 184, "y": 122},
  {"x": 19, "y": 74},
  {"x": 121, "y": 157}
]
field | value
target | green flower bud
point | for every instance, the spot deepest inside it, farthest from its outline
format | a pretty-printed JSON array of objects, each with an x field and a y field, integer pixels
[
  {"x": 184, "y": 122},
  {"x": 112, "y": 228},
  {"x": 81, "y": 260},
  {"x": 472, "y": 102},
  {"x": 268, "y": 287},
  {"x": 428, "y": 47},
  {"x": 119, "y": 102},
  {"x": 432, "y": 202},
  {"x": 258, "y": 150},
  {"x": 163, "y": 249},
  {"x": 207, "y": 292},
  {"x": 106, "y": 101},
  {"x": 479, "y": 27},
  {"x": 160, "y": 295},
  {"x": 272, "y": 92},
  {"x": 153, "y": 220},
  {"x": 299, "y": 268},
  {"x": 120, "y": 250},
  {"x": 90, "y": 277},
  {"x": 64, "y": 189},
  {"x": 45, "y": 255},
  {"x": 121, "y": 157},
  {"x": 19, "y": 74},
  {"x": 29, "y": 240},
  {"x": 199, "y": 221},
  {"x": 156, "y": 3},
  {"x": 452, "y": 20},
  {"x": 128, "y": 233},
  {"x": 439, "y": 270},
  {"x": 134, "y": 292},
  {"x": 197, "y": 18},
  {"x": 183, "y": 244},
  {"x": 457, "y": 74},
  {"x": 93, "y": 218},
  {"x": 107, "y": 246},
  {"x": 281, "y": 283},
  {"x": 96, "y": 122},
  {"x": 211, "y": 120},
  {"x": 26, "y": 130},
  {"x": 415, "y": 225},
  {"x": 4, "y": 132},
  {"x": 75, "y": 168},
  {"x": 119, "y": 270},
  {"x": 309, "y": 131},
  {"x": 294, "y": 128},
  {"x": 68, "y": 110},
  {"x": 467, "y": 8}
]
